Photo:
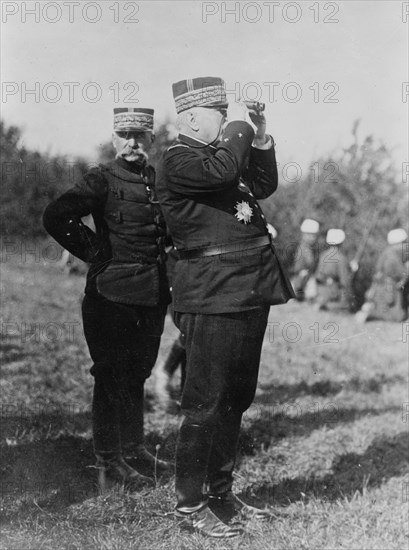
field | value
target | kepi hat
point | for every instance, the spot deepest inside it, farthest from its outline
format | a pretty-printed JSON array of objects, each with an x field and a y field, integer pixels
[
  {"x": 335, "y": 236},
  {"x": 309, "y": 226},
  {"x": 204, "y": 91},
  {"x": 129, "y": 119},
  {"x": 397, "y": 236}
]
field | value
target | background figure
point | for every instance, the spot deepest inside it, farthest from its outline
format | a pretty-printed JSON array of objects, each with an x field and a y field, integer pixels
[
  {"x": 387, "y": 298},
  {"x": 165, "y": 372},
  {"x": 333, "y": 274},
  {"x": 126, "y": 293},
  {"x": 273, "y": 231},
  {"x": 166, "y": 369},
  {"x": 72, "y": 265},
  {"x": 305, "y": 262}
]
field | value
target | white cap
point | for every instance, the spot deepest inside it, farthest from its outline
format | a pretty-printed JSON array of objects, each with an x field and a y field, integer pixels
[
  {"x": 335, "y": 236},
  {"x": 272, "y": 230},
  {"x": 309, "y": 226},
  {"x": 397, "y": 236}
]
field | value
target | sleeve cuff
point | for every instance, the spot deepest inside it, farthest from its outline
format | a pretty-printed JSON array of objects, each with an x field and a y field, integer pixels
[{"x": 268, "y": 145}]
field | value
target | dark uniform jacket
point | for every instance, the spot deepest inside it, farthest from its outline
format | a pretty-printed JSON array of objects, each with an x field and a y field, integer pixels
[
  {"x": 208, "y": 197},
  {"x": 305, "y": 264},
  {"x": 390, "y": 286},
  {"x": 126, "y": 252},
  {"x": 306, "y": 258},
  {"x": 391, "y": 263},
  {"x": 333, "y": 276}
]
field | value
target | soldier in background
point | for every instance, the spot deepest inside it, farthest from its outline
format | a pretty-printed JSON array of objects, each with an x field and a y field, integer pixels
[
  {"x": 306, "y": 260},
  {"x": 126, "y": 292},
  {"x": 165, "y": 369},
  {"x": 387, "y": 298},
  {"x": 333, "y": 274}
]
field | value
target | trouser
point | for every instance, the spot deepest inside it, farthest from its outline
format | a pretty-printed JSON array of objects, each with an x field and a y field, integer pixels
[
  {"x": 123, "y": 342},
  {"x": 223, "y": 356}
]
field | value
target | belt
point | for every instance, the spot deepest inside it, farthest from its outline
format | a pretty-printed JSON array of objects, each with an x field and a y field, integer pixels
[{"x": 216, "y": 250}]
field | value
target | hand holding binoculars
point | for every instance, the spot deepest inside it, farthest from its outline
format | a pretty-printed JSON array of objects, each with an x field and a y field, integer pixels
[{"x": 255, "y": 106}]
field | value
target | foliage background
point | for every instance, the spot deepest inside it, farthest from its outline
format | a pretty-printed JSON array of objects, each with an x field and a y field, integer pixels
[{"x": 356, "y": 189}]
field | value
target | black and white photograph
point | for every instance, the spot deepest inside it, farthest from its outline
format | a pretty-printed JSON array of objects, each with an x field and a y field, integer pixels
[{"x": 204, "y": 275}]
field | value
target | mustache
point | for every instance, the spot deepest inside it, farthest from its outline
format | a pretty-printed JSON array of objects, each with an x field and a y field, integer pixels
[{"x": 134, "y": 151}]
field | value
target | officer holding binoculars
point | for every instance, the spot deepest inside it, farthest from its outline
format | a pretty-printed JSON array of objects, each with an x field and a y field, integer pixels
[{"x": 224, "y": 282}]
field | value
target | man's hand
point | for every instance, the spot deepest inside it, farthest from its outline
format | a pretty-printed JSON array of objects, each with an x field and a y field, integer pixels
[
  {"x": 259, "y": 121},
  {"x": 239, "y": 111}
]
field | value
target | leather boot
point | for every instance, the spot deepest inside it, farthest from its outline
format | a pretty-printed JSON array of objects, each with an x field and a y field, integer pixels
[
  {"x": 230, "y": 508},
  {"x": 114, "y": 472},
  {"x": 192, "y": 453},
  {"x": 205, "y": 522},
  {"x": 144, "y": 462},
  {"x": 223, "y": 451},
  {"x": 131, "y": 416}
]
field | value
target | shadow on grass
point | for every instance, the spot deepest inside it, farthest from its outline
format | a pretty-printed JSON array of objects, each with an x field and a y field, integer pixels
[
  {"x": 268, "y": 427},
  {"x": 279, "y": 393},
  {"x": 384, "y": 458},
  {"x": 46, "y": 473},
  {"x": 47, "y": 462}
]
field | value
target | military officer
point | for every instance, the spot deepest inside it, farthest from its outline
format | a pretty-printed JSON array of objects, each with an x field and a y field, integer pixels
[
  {"x": 387, "y": 298},
  {"x": 333, "y": 273},
  {"x": 126, "y": 292},
  {"x": 224, "y": 282},
  {"x": 306, "y": 258}
]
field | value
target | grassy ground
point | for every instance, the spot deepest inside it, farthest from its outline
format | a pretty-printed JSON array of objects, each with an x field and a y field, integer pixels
[{"x": 325, "y": 442}]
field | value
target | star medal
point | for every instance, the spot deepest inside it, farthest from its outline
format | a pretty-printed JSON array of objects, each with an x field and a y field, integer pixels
[{"x": 244, "y": 211}]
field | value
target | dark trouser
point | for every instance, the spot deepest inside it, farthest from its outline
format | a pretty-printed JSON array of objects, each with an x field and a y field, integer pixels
[
  {"x": 123, "y": 341},
  {"x": 223, "y": 356}
]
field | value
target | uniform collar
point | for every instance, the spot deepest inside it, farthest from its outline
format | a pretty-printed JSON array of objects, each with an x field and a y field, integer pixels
[
  {"x": 130, "y": 166},
  {"x": 128, "y": 172},
  {"x": 194, "y": 142}
]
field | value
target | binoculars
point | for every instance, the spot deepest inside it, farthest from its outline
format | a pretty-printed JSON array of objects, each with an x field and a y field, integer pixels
[{"x": 255, "y": 105}]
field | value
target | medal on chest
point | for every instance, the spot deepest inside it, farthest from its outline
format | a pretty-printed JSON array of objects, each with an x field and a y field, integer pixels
[{"x": 244, "y": 211}]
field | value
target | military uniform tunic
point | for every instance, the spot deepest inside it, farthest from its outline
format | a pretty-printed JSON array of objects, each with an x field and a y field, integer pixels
[
  {"x": 208, "y": 194},
  {"x": 126, "y": 292},
  {"x": 208, "y": 197}
]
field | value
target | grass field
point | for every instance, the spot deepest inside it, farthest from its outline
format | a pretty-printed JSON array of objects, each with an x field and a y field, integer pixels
[{"x": 325, "y": 443}]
